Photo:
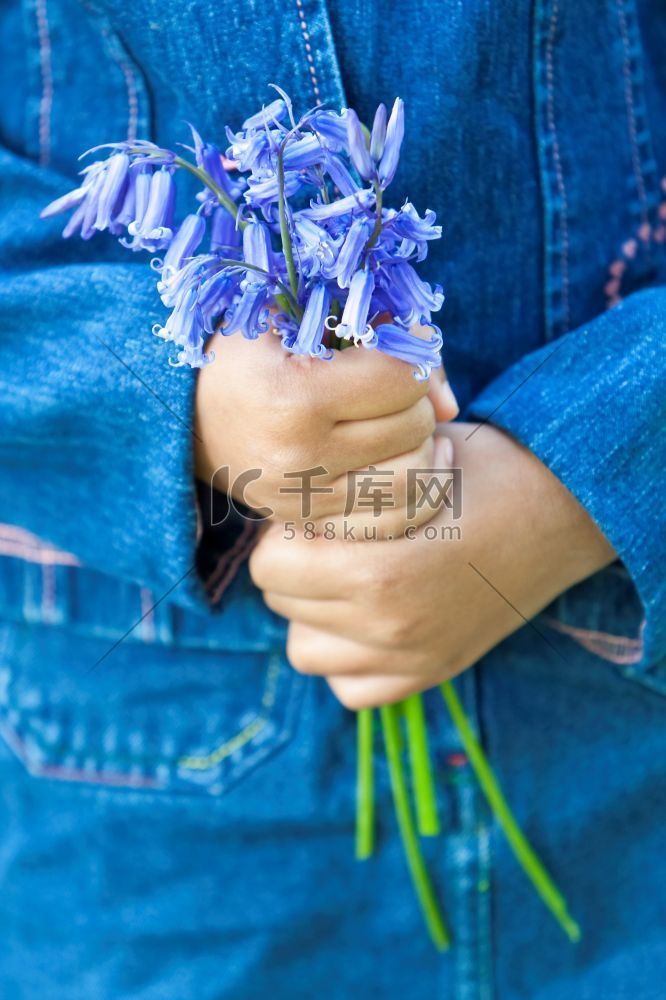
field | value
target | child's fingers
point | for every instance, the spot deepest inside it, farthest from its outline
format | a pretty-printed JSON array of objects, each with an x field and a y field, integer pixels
[
  {"x": 441, "y": 396},
  {"x": 356, "y": 444},
  {"x": 360, "y": 384}
]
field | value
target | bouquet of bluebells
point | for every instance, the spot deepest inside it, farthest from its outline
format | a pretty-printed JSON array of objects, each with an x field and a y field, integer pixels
[{"x": 291, "y": 234}]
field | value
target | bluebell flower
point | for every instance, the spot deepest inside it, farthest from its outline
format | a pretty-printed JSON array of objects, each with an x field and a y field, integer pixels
[
  {"x": 262, "y": 190},
  {"x": 307, "y": 151},
  {"x": 247, "y": 314},
  {"x": 172, "y": 286},
  {"x": 216, "y": 294},
  {"x": 378, "y": 134},
  {"x": 329, "y": 157},
  {"x": 330, "y": 127},
  {"x": 112, "y": 189},
  {"x": 153, "y": 230},
  {"x": 141, "y": 151},
  {"x": 409, "y": 298},
  {"x": 95, "y": 201},
  {"x": 258, "y": 250},
  {"x": 376, "y": 159},
  {"x": 252, "y": 150},
  {"x": 396, "y": 340},
  {"x": 359, "y": 150},
  {"x": 248, "y": 310},
  {"x": 350, "y": 254},
  {"x": 315, "y": 248},
  {"x": 273, "y": 112},
  {"x": 225, "y": 236},
  {"x": 308, "y": 340},
  {"x": 185, "y": 328},
  {"x": 184, "y": 244},
  {"x": 354, "y": 322},
  {"x": 353, "y": 204},
  {"x": 414, "y": 230},
  {"x": 341, "y": 176},
  {"x": 395, "y": 131},
  {"x": 209, "y": 158}
]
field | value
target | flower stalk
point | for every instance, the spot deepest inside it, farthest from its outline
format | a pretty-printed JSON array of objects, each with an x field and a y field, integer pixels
[
  {"x": 287, "y": 248},
  {"x": 208, "y": 182},
  {"x": 423, "y": 786},
  {"x": 413, "y": 855},
  {"x": 523, "y": 851},
  {"x": 365, "y": 784}
]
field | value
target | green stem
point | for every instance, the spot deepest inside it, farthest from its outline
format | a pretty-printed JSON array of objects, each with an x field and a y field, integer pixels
[
  {"x": 208, "y": 182},
  {"x": 374, "y": 235},
  {"x": 420, "y": 878},
  {"x": 365, "y": 784},
  {"x": 284, "y": 228},
  {"x": 423, "y": 786},
  {"x": 524, "y": 853}
]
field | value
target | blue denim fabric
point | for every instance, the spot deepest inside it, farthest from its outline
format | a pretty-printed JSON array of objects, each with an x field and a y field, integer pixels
[{"x": 177, "y": 805}]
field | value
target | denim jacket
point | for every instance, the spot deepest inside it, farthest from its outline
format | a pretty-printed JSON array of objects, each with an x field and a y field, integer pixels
[{"x": 141, "y": 676}]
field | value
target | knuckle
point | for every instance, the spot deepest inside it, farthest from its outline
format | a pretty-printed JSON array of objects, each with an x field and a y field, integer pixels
[
  {"x": 397, "y": 631},
  {"x": 375, "y": 578}
]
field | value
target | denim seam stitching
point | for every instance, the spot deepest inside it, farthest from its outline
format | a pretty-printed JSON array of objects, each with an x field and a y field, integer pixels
[
  {"x": 308, "y": 51},
  {"x": 47, "y": 85},
  {"x": 58, "y": 758},
  {"x": 633, "y": 104},
  {"x": 563, "y": 208}
]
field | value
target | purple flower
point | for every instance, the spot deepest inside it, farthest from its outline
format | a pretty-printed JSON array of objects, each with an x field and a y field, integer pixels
[
  {"x": 378, "y": 136},
  {"x": 397, "y": 341},
  {"x": 185, "y": 327},
  {"x": 252, "y": 150},
  {"x": 416, "y": 231},
  {"x": 225, "y": 236},
  {"x": 315, "y": 248},
  {"x": 410, "y": 298},
  {"x": 97, "y": 199},
  {"x": 186, "y": 241},
  {"x": 308, "y": 340},
  {"x": 395, "y": 131},
  {"x": 216, "y": 294},
  {"x": 358, "y": 147},
  {"x": 328, "y": 158},
  {"x": 360, "y": 201},
  {"x": 209, "y": 158},
  {"x": 330, "y": 127},
  {"x": 354, "y": 323},
  {"x": 304, "y": 152},
  {"x": 112, "y": 189},
  {"x": 377, "y": 159},
  {"x": 262, "y": 190},
  {"x": 153, "y": 230},
  {"x": 340, "y": 175},
  {"x": 273, "y": 112},
  {"x": 248, "y": 313},
  {"x": 174, "y": 284},
  {"x": 257, "y": 250},
  {"x": 352, "y": 248}
]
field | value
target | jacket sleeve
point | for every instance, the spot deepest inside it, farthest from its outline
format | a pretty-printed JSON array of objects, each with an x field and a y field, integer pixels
[
  {"x": 592, "y": 407},
  {"x": 96, "y": 429}
]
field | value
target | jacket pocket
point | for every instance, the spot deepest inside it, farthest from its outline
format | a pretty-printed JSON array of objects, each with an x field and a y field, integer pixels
[{"x": 159, "y": 718}]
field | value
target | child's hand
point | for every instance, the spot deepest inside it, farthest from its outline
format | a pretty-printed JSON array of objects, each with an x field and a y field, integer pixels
[
  {"x": 260, "y": 408},
  {"x": 385, "y": 619}
]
